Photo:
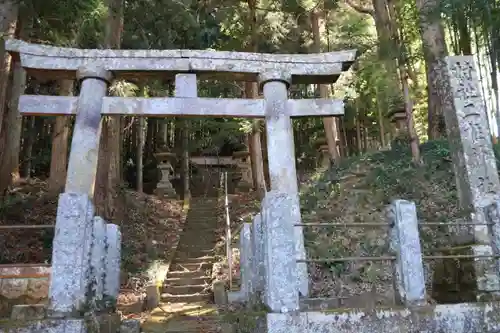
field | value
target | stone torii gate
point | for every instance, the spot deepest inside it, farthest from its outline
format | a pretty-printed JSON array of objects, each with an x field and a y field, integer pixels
[{"x": 96, "y": 68}]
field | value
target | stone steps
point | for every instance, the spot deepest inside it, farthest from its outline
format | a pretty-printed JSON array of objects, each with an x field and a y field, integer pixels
[
  {"x": 195, "y": 241},
  {"x": 186, "y": 274},
  {"x": 187, "y": 298},
  {"x": 191, "y": 266},
  {"x": 200, "y": 223},
  {"x": 194, "y": 249},
  {"x": 187, "y": 281},
  {"x": 186, "y": 289},
  {"x": 195, "y": 253},
  {"x": 195, "y": 259},
  {"x": 195, "y": 228},
  {"x": 197, "y": 324}
]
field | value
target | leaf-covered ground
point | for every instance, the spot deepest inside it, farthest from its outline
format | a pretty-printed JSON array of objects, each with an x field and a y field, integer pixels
[
  {"x": 359, "y": 190},
  {"x": 150, "y": 229}
]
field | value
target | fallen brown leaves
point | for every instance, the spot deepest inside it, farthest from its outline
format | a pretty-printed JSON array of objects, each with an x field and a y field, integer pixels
[{"x": 151, "y": 228}]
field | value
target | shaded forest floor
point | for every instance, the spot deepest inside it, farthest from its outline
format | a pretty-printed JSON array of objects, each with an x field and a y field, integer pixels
[
  {"x": 359, "y": 190},
  {"x": 150, "y": 229}
]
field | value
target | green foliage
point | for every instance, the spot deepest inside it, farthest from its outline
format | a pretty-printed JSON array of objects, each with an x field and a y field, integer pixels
[
  {"x": 357, "y": 190},
  {"x": 65, "y": 22},
  {"x": 245, "y": 319}
]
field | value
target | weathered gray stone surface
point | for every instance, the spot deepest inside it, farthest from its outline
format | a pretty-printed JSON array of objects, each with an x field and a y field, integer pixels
[
  {"x": 112, "y": 264},
  {"x": 486, "y": 273},
  {"x": 323, "y": 66},
  {"x": 30, "y": 105},
  {"x": 258, "y": 253},
  {"x": 281, "y": 160},
  {"x": 281, "y": 292},
  {"x": 281, "y": 148},
  {"x": 470, "y": 141},
  {"x": 186, "y": 87},
  {"x": 246, "y": 261},
  {"x": 47, "y": 326},
  {"x": 449, "y": 318},
  {"x": 235, "y": 297},
  {"x": 215, "y": 107},
  {"x": 493, "y": 217},
  {"x": 130, "y": 326},
  {"x": 28, "y": 312},
  {"x": 70, "y": 273},
  {"x": 159, "y": 106},
  {"x": 220, "y": 293},
  {"x": 472, "y": 154},
  {"x": 82, "y": 164},
  {"x": 107, "y": 323},
  {"x": 409, "y": 278},
  {"x": 97, "y": 260}
]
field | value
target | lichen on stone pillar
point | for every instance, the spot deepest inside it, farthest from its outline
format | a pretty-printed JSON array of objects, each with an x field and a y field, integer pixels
[
  {"x": 82, "y": 165},
  {"x": 281, "y": 159}
]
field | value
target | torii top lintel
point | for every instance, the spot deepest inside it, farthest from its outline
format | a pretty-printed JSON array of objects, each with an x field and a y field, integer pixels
[{"x": 59, "y": 62}]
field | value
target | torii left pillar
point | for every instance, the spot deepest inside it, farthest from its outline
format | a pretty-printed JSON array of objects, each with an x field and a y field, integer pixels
[{"x": 70, "y": 276}]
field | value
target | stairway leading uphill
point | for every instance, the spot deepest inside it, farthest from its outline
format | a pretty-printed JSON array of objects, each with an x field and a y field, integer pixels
[
  {"x": 186, "y": 300},
  {"x": 189, "y": 276}
]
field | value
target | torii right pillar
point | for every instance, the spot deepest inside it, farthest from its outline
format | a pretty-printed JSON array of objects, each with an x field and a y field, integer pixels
[{"x": 281, "y": 157}]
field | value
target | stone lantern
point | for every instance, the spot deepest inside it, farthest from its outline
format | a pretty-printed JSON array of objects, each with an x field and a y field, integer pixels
[
  {"x": 324, "y": 154},
  {"x": 245, "y": 166},
  {"x": 164, "y": 187},
  {"x": 398, "y": 117}
]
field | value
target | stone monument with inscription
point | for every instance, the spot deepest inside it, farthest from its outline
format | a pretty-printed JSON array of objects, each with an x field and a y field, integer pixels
[{"x": 475, "y": 167}]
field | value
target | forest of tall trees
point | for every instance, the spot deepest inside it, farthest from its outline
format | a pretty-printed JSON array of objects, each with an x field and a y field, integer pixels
[{"x": 401, "y": 45}]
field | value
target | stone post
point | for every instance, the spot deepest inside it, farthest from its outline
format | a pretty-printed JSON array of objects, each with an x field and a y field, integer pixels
[
  {"x": 409, "y": 278},
  {"x": 258, "y": 255},
  {"x": 97, "y": 261},
  {"x": 70, "y": 277},
  {"x": 474, "y": 161},
  {"x": 112, "y": 264},
  {"x": 281, "y": 292},
  {"x": 246, "y": 261},
  {"x": 281, "y": 159}
]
